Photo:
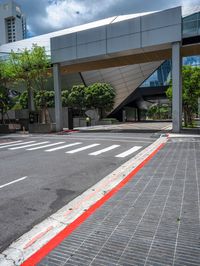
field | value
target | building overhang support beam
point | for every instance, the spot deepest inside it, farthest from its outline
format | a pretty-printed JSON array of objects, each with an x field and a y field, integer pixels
[
  {"x": 58, "y": 100},
  {"x": 176, "y": 87}
]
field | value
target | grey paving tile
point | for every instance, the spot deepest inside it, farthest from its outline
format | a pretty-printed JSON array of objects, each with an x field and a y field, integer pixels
[{"x": 153, "y": 220}]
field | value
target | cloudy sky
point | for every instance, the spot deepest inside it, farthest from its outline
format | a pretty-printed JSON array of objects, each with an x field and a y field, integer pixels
[{"x": 44, "y": 16}]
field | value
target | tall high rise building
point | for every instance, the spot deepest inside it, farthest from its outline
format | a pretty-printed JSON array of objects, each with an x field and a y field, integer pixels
[{"x": 12, "y": 22}]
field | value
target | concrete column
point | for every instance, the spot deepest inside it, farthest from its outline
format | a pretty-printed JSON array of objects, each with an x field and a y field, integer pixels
[
  {"x": 58, "y": 100},
  {"x": 176, "y": 87},
  {"x": 138, "y": 114},
  {"x": 124, "y": 116}
]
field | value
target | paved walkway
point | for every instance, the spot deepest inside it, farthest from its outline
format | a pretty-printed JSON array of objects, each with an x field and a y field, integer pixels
[
  {"x": 153, "y": 220},
  {"x": 130, "y": 126}
]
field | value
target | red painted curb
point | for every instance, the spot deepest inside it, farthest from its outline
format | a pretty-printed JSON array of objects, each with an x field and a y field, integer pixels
[{"x": 41, "y": 253}]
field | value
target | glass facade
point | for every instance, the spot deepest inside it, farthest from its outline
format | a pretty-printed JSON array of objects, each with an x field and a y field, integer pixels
[
  {"x": 192, "y": 61},
  {"x": 191, "y": 25},
  {"x": 162, "y": 76},
  {"x": 4, "y": 56}
]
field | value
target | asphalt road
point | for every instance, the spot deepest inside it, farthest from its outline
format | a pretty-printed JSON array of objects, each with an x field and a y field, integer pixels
[{"x": 36, "y": 183}]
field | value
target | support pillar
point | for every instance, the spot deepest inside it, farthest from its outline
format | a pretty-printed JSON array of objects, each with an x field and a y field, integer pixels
[
  {"x": 138, "y": 114},
  {"x": 176, "y": 88},
  {"x": 58, "y": 99}
]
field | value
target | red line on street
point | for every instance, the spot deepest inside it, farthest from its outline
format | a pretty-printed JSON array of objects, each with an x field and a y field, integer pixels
[{"x": 55, "y": 241}]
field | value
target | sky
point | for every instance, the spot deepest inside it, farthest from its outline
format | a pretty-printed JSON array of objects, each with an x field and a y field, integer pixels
[{"x": 44, "y": 16}]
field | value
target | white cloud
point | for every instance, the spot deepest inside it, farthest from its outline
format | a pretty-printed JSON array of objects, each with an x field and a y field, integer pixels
[
  {"x": 45, "y": 16},
  {"x": 71, "y": 12},
  {"x": 189, "y": 5}
]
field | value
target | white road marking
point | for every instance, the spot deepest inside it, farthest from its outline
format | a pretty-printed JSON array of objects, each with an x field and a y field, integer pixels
[
  {"x": 83, "y": 148},
  {"x": 20, "y": 248},
  {"x": 44, "y": 146},
  {"x": 128, "y": 152},
  {"x": 29, "y": 145},
  {"x": 65, "y": 146},
  {"x": 12, "y": 182},
  {"x": 11, "y": 142},
  {"x": 10, "y": 145},
  {"x": 104, "y": 150}
]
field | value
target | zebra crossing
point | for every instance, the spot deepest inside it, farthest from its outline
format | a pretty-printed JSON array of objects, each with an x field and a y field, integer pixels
[{"x": 68, "y": 148}]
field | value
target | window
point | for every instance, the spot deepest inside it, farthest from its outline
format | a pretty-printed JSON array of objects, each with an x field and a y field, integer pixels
[
  {"x": 5, "y": 6},
  {"x": 191, "y": 17},
  {"x": 190, "y": 28},
  {"x": 18, "y": 9}
]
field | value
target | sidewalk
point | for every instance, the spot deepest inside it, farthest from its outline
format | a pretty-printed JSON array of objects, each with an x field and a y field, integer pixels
[
  {"x": 149, "y": 126},
  {"x": 153, "y": 220}
]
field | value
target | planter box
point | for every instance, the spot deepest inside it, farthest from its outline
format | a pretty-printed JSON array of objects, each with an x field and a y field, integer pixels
[
  {"x": 107, "y": 122},
  {"x": 41, "y": 128},
  {"x": 4, "y": 129}
]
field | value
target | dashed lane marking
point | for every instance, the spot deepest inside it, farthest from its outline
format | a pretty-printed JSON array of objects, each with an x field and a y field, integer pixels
[{"x": 12, "y": 182}]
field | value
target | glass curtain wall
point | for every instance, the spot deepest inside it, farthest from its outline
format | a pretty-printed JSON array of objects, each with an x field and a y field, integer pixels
[{"x": 191, "y": 25}]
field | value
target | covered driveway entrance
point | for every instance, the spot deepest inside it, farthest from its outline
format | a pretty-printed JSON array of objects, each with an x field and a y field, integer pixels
[{"x": 149, "y": 38}]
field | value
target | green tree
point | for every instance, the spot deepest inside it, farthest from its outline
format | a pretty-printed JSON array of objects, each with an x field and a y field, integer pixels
[
  {"x": 6, "y": 77},
  {"x": 191, "y": 92},
  {"x": 65, "y": 98},
  {"x": 158, "y": 111},
  {"x": 23, "y": 100},
  {"x": 100, "y": 96},
  {"x": 39, "y": 97},
  {"x": 41, "y": 66},
  {"x": 22, "y": 69},
  {"x": 44, "y": 96},
  {"x": 6, "y": 73},
  {"x": 32, "y": 68},
  {"x": 76, "y": 97},
  {"x": 4, "y": 102}
]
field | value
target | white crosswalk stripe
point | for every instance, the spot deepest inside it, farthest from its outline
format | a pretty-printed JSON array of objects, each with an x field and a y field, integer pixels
[
  {"x": 56, "y": 146},
  {"x": 128, "y": 152},
  {"x": 11, "y": 142},
  {"x": 11, "y": 145},
  {"x": 83, "y": 148},
  {"x": 29, "y": 145},
  {"x": 45, "y": 146},
  {"x": 104, "y": 150},
  {"x": 63, "y": 147}
]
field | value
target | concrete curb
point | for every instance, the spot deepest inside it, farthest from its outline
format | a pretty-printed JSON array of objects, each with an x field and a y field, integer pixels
[{"x": 32, "y": 241}]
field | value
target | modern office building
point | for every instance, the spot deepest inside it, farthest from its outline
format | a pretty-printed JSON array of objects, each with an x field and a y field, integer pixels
[
  {"x": 12, "y": 22},
  {"x": 123, "y": 51}
]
